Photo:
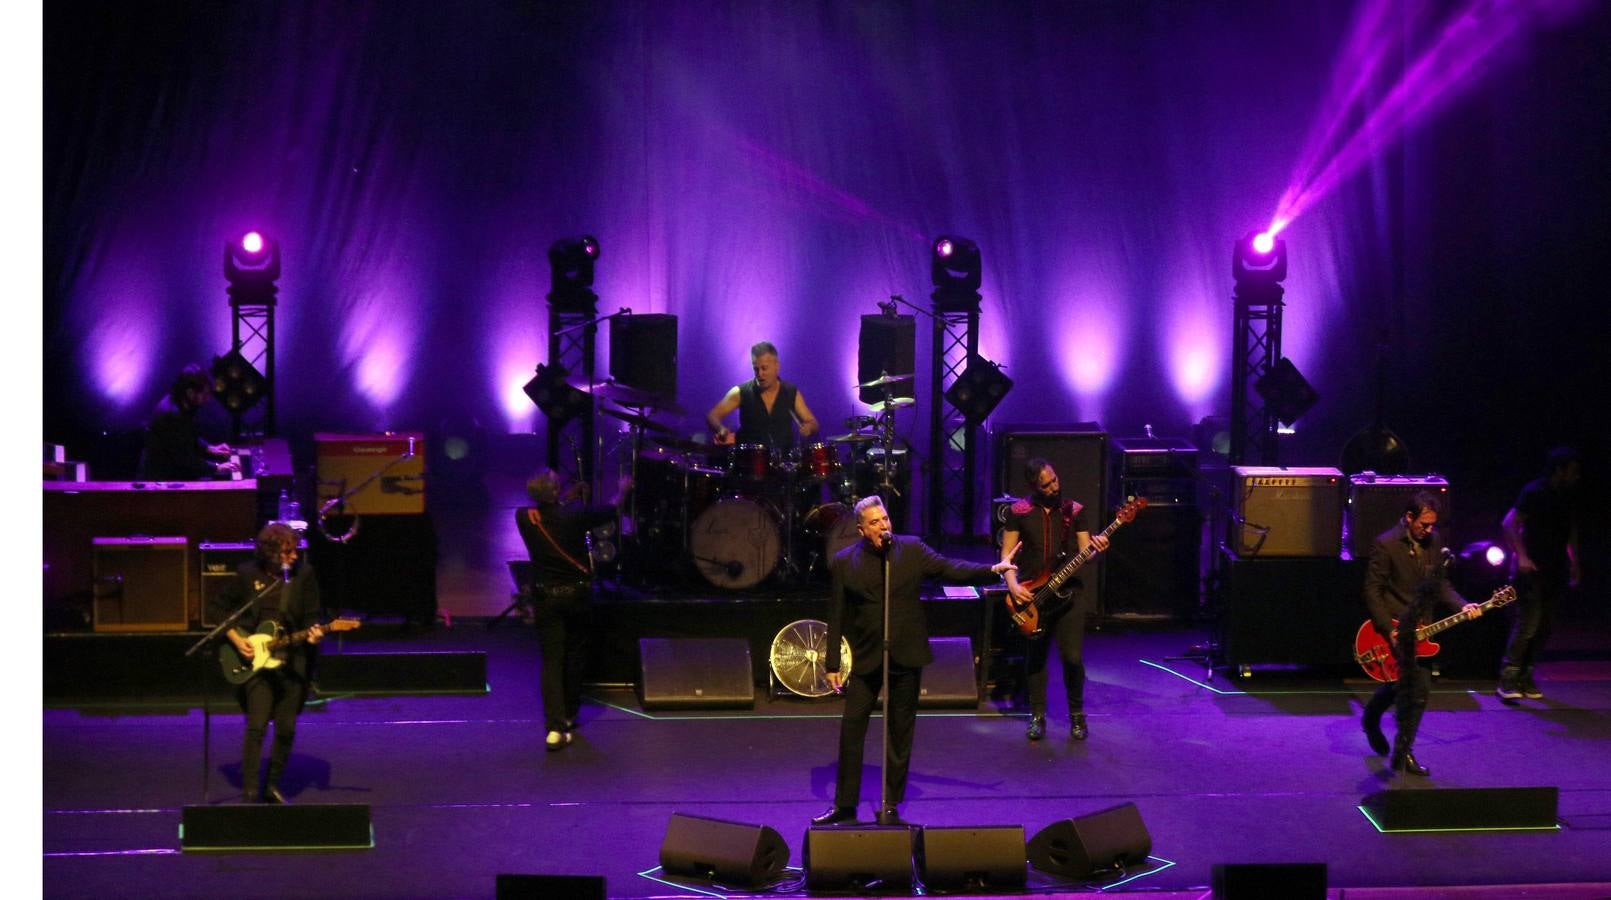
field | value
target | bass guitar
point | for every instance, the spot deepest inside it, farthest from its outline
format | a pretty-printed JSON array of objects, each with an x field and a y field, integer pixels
[
  {"x": 1047, "y": 588},
  {"x": 1374, "y": 653},
  {"x": 269, "y": 647}
]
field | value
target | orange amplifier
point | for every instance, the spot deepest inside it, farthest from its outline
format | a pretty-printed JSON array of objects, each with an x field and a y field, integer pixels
[{"x": 396, "y": 480}]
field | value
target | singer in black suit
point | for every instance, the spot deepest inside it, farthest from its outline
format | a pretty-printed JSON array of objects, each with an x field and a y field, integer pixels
[
  {"x": 1406, "y": 581},
  {"x": 292, "y": 599},
  {"x": 855, "y": 611}
]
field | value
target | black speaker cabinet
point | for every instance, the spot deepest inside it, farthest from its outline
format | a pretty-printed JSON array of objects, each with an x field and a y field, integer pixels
[
  {"x": 643, "y": 353},
  {"x": 1078, "y": 848},
  {"x": 1153, "y": 564},
  {"x": 261, "y": 826},
  {"x": 1258, "y": 881},
  {"x": 731, "y": 853},
  {"x": 140, "y": 583},
  {"x": 548, "y": 887},
  {"x": 840, "y": 858},
  {"x": 219, "y": 559},
  {"x": 987, "y": 856},
  {"x": 950, "y": 680},
  {"x": 1286, "y": 512},
  {"x": 1078, "y": 452},
  {"x": 1292, "y": 611},
  {"x": 1463, "y": 809},
  {"x": 696, "y": 673},
  {"x": 1376, "y": 503},
  {"x": 886, "y": 345}
]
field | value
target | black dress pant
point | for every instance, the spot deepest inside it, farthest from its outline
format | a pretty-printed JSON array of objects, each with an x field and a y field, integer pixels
[
  {"x": 562, "y": 618},
  {"x": 270, "y": 696},
  {"x": 1068, "y": 629},
  {"x": 1408, "y": 695},
  {"x": 1538, "y": 595},
  {"x": 861, "y": 692}
]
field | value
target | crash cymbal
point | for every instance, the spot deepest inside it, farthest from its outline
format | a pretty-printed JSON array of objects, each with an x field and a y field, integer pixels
[
  {"x": 636, "y": 398},
  {"x": 641, "y": 421},
  {"x": 896, "y": 403},
  {"x": 883, "y": 380},
  {"x": 852, "y": 438}
]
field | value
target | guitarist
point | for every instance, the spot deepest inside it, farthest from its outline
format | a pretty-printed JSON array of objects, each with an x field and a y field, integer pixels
[
  {"x": 272, "y": 694},
  {"x": 1406, "y": 581},
  {"x": 1050, "y": 529}
]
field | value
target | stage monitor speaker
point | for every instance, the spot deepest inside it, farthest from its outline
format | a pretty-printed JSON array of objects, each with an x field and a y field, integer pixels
[
  {"x": 549, "y": 887},
  {"x": 1286, "y": 512},
  {"x": 1463, "y": 809},
  {"x": 141, "y": 583},
  {"x": 1081, "y": 847},
  {"x": 344, "y": 461},
  {"x": 839, "y": 858},
  {"x": 643, "y": 353},
  {"x": 886, "y": 345},
  {"x": 1376, "y": 503},
  {"x": 950, "y": 680},
  {"x": 262, "y": 826},
  {"x": 989, "y": 857},
  {"x": 1154, "y": 565},
  {"x": 730, "y": 853},
  {"x": 696, "y": 673},
  {"x": 1257, "y": 881}
]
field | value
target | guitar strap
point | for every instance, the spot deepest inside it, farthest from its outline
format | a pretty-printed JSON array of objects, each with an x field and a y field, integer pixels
[{"x": 535, "y": 517}]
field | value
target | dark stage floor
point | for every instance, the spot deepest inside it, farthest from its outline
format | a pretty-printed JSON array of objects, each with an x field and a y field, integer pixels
[{"x": 1266, "y": 769}]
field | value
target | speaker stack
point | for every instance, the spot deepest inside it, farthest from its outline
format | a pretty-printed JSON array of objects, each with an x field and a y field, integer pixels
[
  {"x": 1154, "y": 563},
  {"x": 1078, "y": 453}
]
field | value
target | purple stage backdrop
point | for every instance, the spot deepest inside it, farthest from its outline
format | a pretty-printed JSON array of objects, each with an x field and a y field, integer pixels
[{"x": 773, "y": 170}]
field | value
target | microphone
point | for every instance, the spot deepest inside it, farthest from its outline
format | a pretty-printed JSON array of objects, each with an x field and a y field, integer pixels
[
  {"x": 1448, "y": 557},
  {"x": 885, "y": 538},
  {"x": 411, "y": 446},
  {"x": 285, "y": 572}
]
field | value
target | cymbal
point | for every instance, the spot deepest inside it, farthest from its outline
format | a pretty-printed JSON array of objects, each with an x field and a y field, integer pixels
[
  {"x": 641, "y": 421},
  {"x": 895, "y": 403},
  {"x": 883, "y": 380},
  {"x": 852, "y": 438},
  {"x": 688, "y": 446},
  {"x": 627, "y": 395}
]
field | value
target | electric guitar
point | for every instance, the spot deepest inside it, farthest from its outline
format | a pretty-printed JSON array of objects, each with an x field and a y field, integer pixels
[
  {"x": 1374, "y": 653},
  {"x": 1048, "y": 588},
  {"x": 269, "y": 646}
]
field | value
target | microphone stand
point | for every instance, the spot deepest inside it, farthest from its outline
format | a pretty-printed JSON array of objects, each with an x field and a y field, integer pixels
[
  {"x": 883, "y": 789},
  {"x": 206, "y": 643}
]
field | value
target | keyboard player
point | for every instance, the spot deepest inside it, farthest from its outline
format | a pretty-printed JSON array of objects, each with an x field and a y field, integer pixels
[{"x": 174, "y": 450}]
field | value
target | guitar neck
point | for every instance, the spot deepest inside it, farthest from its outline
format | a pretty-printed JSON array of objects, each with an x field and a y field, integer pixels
[
  {"x": 1080, "y": 559},
  {"x": 1425, "y": 631}
]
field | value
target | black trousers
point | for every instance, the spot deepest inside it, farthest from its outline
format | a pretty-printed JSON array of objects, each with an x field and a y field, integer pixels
[
  {"x": 562, "y": 618},
  {"x": 1408, "y": 695},
  {"x": 1538, "y": 596},
  {"x": 1068, "y": 630},
  {"x": 269, "y": 696},
  {"x": 861, "y": 692}
]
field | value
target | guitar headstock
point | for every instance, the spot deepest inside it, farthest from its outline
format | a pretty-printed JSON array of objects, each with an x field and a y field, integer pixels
[
  {"x": 1506, "y": 594},
  {"x": 1127, "y": 512},
  {"x": 343, "y": 625}
]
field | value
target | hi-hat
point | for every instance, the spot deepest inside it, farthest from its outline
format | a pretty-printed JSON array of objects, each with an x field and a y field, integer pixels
[
  {"x": 895, "y": 403},
  {"x": 883, "y": 380}
]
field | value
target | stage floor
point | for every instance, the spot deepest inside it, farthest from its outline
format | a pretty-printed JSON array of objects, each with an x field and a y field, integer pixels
[{"x": 1268, "y": 769}]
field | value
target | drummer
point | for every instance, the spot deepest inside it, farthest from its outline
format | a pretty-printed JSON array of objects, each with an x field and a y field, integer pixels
[{"x": 769, "y": 408}]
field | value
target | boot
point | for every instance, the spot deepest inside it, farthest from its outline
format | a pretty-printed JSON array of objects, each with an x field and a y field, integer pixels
[
  {"x": 1510, "y": 686},
  {"x": 1037, "y": 728},
  {"x": 1372, "y": 724},
  {"x": 1077, "y": 729},
  {"x": 1404, "y": 761}
]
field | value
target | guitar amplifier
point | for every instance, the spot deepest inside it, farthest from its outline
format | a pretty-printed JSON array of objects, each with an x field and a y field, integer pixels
[
  {"x": 1280, "y": 512},
  {"x": 1376, "y": 503},
  {"x": 219, "y": 560},
  {"x": 345, "y": 461},
  {"x": 140, "y": 583}
]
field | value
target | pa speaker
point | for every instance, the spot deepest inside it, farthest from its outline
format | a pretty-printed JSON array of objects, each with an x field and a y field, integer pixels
[
  {"x": 950, "y": 680},
  {"x": 542, "y": 887},
  {"x": 1256, "y": 881},
  {"x": 696, "y": 673},
  {"x": 728, "y": 852},
  {"x": 257, "y": 826},
  {"x": 886, "y": 345},
  {"x": 643, "y": 353},
  {"x": 839, "y": 858},
  {"x": 1078, "y": 848},
  {"x": 141, "y": 583},
  {"x": 981, "y": 857},
  {"x": 1461, "y": 809}
]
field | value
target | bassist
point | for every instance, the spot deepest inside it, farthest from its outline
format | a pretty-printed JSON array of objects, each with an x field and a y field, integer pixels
[
  {"x": 1042, "y": 531},
  {"x": 272, "y": 694}
]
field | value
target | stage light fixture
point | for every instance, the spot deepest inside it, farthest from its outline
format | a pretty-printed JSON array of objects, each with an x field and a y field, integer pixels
[
  {"x": 1263, "y": 243},
  {"x": 236, "y": 382},
  {"x": 979, "y": 389},
  {"x": 571, "y": 261},
  {"x": 956, "y": 265},
  {"x": 1285, "y": 391},
  {"x": 557, "y": 399},
  {"x": 252, "y": 259},
  {"x": 1252, "y": 265}
]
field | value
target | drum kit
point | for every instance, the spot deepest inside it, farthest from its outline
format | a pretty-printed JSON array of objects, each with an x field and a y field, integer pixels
[{"x": 741, "y": 514}]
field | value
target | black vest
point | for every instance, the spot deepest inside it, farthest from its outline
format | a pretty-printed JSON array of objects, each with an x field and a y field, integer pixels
[{"x": 756, "y": 425}]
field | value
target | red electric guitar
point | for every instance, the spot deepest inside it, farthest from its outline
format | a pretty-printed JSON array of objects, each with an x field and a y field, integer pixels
[
  {"x": 1047, "y": 588},
  {"x": 1374, "y": 653}
]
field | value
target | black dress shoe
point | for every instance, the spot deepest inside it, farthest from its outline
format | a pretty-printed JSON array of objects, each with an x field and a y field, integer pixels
[
  {"x": 1373, "y": 734},
  {"x": 1077, "y": 729},
  {"x": 1405, "y": 762},
  {"x": 1037, "y": 728},
  {"x": 836, "y": 815},
  {"x": 889, "y": 815},
  {"x": 273, "y": 795}
]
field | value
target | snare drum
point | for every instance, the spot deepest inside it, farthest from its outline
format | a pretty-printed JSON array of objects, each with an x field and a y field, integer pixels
[
  {"x": 819, "y": 461},
  {"x": 750, "y": 462},
  {"x": 735, "y": 543}
]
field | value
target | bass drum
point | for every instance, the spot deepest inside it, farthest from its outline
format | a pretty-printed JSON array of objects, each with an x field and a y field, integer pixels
[
  {"x": 835, "y": 525},
  {"x": 735, "y": 542}
]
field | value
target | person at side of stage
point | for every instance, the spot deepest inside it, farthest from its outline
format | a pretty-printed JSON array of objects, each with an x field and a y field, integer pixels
[
  {"x": 1047, "y": 529},
  {"x": 278, "y": 694},
  {"x": 1542, "y": 532},
  {"x": 769, "y": 408},
  {"x": 173, "y": 449},
  {"x": 555, "y": 530},
  {"x": 1407, "y": 581},
  {"x": 856, "y": 612}
]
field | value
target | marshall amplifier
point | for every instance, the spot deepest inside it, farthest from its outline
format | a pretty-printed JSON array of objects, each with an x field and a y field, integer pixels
[
  {"x": 1279, "y": 512},
  {"x": 1376, "y": 502}
]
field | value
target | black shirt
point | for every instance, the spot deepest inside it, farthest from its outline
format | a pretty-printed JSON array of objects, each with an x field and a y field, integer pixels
[
  {"x": 1548, "y": 526},
  {"x": 758, "y": 426},
  {"x": 173, "y": 449},
  {"x": 562, "y": 560},
  {"x": 1046, "y": 533},
  {"x": 856, "y": 601},
  {"x": 295, "y": 606}
]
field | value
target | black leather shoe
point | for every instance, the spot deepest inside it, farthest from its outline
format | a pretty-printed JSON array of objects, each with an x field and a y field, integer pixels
[
  {"x": 273, "y": 795},
  {"x": 1037, "y": 728},
  {"x": 1373, "y": 733},
  {"x": 889, "y": 815},
  {"x": 1405, "y": 762},
  {"x": 1077, "y": 729},
  {"x": 836, "y": 815}
]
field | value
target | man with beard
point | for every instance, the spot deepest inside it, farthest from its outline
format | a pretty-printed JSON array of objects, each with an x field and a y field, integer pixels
[{"x": 1541, "y": 530}]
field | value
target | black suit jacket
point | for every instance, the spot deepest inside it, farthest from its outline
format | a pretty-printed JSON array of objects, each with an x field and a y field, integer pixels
[
  {"x": 856, "y": 601},
  {"x": 1397, "y": 566}
]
